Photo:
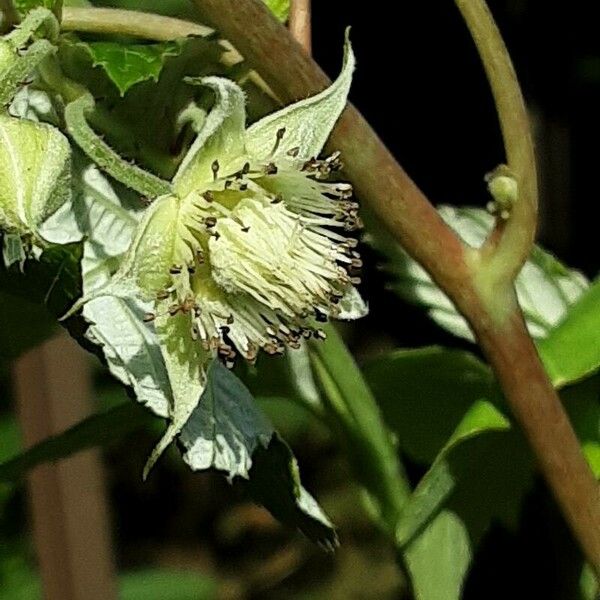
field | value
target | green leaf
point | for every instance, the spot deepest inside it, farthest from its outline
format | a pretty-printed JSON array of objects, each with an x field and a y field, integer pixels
[
  {"x": 582, "y": 402},
  {"x": 99, "y": 429},
  {"x": 221, "y": 138},
  {"x": 438, "y": 402},
  {"x": 162, "y": 584},
  {"x": 108, "y": 222},
  {"x": 441, "y": 480},
  {"x": 131, "y": 349},
  {"x": 24, "y": 6},
  {"x": 355, "y": 416},
  {"x": 308, "y": 122},
  {"x": 545, "y": 288},
  {"x": 274, "y": 482},
  {"x": 439, "y": 559},
  {"x": 572, "y": 349},
  {"x": 35, "y": 161},
  {"x": 424, "y": 393},
  {"x": 228, "y": 432},
  {"x": 226, "y": 426},
  {"x": 129, "y": 64},
  {"x": 280, "y": 8}
]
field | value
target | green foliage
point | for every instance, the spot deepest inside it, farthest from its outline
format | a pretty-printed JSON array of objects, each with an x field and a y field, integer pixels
[
  {"x": 280, "y": 8},
  {"x": 571, "y": 351},
  {"x": 354, "y": 415},
  {"x": 129, "y": 64},
  {"x": 162, "y": 584},
  {"x": 97, "y": 430},
  {"x": 545, "y": 287}
]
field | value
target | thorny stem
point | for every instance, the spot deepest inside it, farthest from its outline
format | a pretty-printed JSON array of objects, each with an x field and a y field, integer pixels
[
  {"x": 408, "y": 214},
  {"x": 509, "y": 245}
]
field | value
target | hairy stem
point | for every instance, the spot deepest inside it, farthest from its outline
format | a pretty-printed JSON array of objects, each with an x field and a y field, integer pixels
[
  {"x": 104, "y": 156},
  {"x": 510, "y": 243}
]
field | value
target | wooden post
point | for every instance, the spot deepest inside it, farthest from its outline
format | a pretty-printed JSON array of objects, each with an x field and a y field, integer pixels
[{"x": 70, "y": 520}]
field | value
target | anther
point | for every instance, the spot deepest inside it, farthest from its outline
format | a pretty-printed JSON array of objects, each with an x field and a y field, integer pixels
[
  {"x": 246, "y": 168},
  {"x": 271, "y": 169},
  {"x": 278, "y": 137},
  {"x": 149, "y": 317},
  {"x": 174, "y": 309},
  {"x": 175, "y": 270},
  {"x": 215, "y": 169},
  {"x": 277, "y": 199},
  {"x": 162, "y": 295},
  {"x": 210, "y": 221},
  {"x": 293, "y": 152},
  {"x": 208, "y": 196}
]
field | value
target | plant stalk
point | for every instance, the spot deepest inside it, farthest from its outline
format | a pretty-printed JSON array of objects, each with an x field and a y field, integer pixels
[
  {"x": 539, "y": 411},
  {"x": 511, "y": 241},
  {"x": 300, "y": 23}
]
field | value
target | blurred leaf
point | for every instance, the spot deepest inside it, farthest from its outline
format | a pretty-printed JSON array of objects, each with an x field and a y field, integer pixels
[
  {"x": 274, "y": 482},
  {"x": 24, "y": 6},
  {"x": 226, "y": 427},
  {"x": 128, "y": 64},
  {"x": 97, "y": 430},
  {"x": 53, "y": 280},
  {"x": 159, "y": 584},
  {"x": 355, "y": 416},
  {"x": 582, "y": 402},
  {"x": 280, "y": 8},
  {"x": 424, "y": 394},
  {"x": 572, "y": 349},
  {"x": 546, "y": 288},
  {"x": 441, "y": 480},
  {"x": 439, "y": 559}
]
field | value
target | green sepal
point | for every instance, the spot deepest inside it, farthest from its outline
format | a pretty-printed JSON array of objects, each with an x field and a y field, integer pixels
[
  {"x": 35, "y": 174},
  {"x": 307, "y": 123}
]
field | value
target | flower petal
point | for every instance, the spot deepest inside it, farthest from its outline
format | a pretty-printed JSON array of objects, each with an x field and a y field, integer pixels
[
  {"x": 220, "y": 139},
  {"x": 307, "y": 123}
]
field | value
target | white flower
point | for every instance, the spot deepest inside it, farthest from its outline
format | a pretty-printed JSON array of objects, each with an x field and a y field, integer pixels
[{"x": 251, "y": 249}]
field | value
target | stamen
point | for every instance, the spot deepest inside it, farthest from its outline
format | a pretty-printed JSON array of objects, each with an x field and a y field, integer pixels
[
  {"x": 278, "y": 137},
  {"x": 149, "y": 317},
  {"x": 215, "y": 169}
]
